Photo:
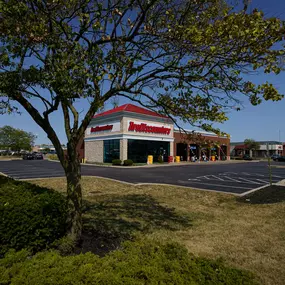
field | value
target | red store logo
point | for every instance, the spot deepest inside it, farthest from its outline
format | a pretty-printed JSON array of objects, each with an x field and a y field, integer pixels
[
  {"x": 102, "y": 128},
  {"x": 144, "y": 128}
]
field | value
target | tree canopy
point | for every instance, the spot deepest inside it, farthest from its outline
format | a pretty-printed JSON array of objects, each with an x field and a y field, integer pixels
[
  {"x": 15, "y": 139},
  {"x": 251, "y": 144},
  {"x": 185, "y": 59}
]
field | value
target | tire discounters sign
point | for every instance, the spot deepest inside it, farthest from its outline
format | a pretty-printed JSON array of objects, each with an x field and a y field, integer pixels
[
  {"x": 145, "y": 128},
  {"x": 102, "y": 129}
]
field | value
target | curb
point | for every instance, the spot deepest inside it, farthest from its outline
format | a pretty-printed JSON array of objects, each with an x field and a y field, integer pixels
[
  {"x": 138, "y": 184},
  {"x": 280, "y": 183},
  {"x": 254, "y": 190},
  {"x": 143, "y": 184},
  {"x": 10, "y": 159},
  {"x": 170, "y": 164}
]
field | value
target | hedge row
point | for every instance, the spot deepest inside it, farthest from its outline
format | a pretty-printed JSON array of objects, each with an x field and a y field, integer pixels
[
  {"x": 30, "y": 216},
  {"x": 127, "y": 162},
  {"x": 138, "y": 263}
]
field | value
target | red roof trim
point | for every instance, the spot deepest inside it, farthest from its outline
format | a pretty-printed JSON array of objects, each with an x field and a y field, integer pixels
[
  {"x": 130, "y": 108},
  {"x": 240, "y": 146}
]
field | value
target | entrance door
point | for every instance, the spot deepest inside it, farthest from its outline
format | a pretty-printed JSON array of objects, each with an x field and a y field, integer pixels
[
  {"x": 193, "y": 151},
  {"x": 181, "y": 150},
  {"x": 223, "y": 152}
]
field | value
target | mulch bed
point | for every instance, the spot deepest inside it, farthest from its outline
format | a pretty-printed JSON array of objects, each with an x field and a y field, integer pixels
[{"x": 268, "y": 195}]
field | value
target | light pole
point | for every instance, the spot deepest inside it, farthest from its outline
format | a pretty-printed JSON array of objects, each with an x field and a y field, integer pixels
[{"x": 279, "y": 141}]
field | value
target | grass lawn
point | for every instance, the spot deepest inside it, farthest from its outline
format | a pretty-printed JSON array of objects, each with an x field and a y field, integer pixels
[
  {"x": 4, "y": 157},
  {"x": 213, "y": 225}
]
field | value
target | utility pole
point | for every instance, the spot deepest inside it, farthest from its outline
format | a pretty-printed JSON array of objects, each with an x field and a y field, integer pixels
[{"x": 269, "y": 165}]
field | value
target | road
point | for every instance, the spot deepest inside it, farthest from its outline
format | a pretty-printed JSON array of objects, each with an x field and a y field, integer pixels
[{"x": 233, "y": 178}]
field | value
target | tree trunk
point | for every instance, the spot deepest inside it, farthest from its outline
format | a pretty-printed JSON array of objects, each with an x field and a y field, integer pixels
[{"x": 74, "y": 195}]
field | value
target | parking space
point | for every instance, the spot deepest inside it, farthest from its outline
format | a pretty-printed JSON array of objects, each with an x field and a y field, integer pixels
[
  {"x": 232, "y": 178},
  {"x": 237, "y": 180},
  {"x": 24, "y": 169}
]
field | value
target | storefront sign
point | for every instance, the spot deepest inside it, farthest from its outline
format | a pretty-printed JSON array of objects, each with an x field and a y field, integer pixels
[
  {"x": 111, "y": 127},
  {"x": 144, "y": 128},
  {"x": 101, "y": 128}
]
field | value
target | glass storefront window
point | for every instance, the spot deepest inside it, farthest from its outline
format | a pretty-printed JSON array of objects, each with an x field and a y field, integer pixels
[
  {"x": 138, "y": 150},
  {"x": 111, "y": 150}
]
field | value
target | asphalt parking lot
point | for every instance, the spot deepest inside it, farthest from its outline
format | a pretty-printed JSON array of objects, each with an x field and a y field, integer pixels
[{"x": 233, "y": 177}]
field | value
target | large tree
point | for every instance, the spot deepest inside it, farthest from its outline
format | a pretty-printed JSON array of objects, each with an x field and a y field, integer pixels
[
  {"x": 252, "y": 145},
  {"x": 186, "y": 59},
  {"x": 16, "y": 139}
]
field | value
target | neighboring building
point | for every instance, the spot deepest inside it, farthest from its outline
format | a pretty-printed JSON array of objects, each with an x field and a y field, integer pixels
[
  {"x": 275, "y": 147},
  {"x": 209, "y": 144},
  {"x": 132, "y": 132},
  {"x": 42, "y": 147}
]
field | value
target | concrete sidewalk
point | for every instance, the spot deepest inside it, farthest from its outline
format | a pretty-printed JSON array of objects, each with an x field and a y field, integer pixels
[{"x": 182, "y": 163}]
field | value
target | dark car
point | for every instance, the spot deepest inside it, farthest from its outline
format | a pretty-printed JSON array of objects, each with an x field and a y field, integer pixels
[
  {"x": 246, "y": 157},
  {"x": 281, "y": 158},
  {"x": 275, "y": 157},
  {"x": 38, "y": 155},
  {"x": 28, "y": 156}
]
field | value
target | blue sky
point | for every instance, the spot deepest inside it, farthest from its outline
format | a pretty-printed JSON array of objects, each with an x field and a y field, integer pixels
[{"x": 263, "y": 122}]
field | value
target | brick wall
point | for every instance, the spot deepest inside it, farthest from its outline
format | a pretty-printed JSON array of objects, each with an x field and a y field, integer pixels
[
  {"x": 94, "y": 151},
  {"x": 123, "y": 149},
  {"x": 182, "y": 138}
]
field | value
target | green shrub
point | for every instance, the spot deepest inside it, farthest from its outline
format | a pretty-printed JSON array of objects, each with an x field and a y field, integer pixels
[
  {"x": 116, "y": 162},
  {"x": 141, "y": 262},
  {"x": 238, "y": 158},
  {"x": 128, "y": 162},
  {"x": 52, "y": 156},
  {"x": 160, "y": 159},
  {"x": 30, "y": 216}
]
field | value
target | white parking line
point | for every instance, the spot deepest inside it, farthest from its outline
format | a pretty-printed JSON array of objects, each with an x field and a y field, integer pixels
[
  {"x": 257, "y": 174},
  {"x": 249, "y": 181},
  {"x": 204, "y": 176},
  {"x": 217, "y": 177},
  {"x": 221, "y": 185},
  {"x": 231, "y": 179},
  {"x": 264, "y": 181}
]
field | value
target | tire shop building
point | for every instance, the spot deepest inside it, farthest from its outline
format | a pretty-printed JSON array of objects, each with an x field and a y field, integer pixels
[{"x": 133, "y": 132}]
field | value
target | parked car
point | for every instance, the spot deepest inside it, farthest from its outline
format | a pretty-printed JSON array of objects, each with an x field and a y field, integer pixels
[
  {"x": 28, "y": 156},
  {"x": 281, "y": 158},
  {"x": 246, "y": 157},
  {"x": 38, "y": 155},
  {"x": 275, "y": 156}
]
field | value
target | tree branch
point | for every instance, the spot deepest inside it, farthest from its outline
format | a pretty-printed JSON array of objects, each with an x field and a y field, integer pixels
[{"x": 43, "y": 123}]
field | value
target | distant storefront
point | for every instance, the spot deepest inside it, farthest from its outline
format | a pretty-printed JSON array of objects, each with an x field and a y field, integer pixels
[
  {"x": 274, "y": 147},
  {"x": 132, "y": 132}
]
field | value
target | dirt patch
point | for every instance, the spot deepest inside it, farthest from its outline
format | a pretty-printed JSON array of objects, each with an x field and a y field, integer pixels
[{"x": 268, "y": 195}]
